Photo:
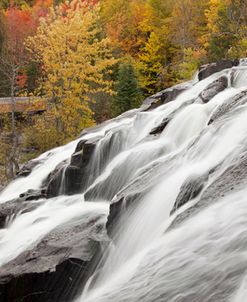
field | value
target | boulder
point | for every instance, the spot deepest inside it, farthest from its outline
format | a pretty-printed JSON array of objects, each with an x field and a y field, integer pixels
[
  {"x": 27, "y": 168},
  {"x": 213, "y": 89},
  {"x": 229, "y": 106},
  {"x": 130, "y": 196},
  {"x": 209, "y": 69},
  {"x": 12, "y": 208},
  {"x": 54, "y": 173},
  {"x": 190, "y": 189},
  {"x": 233, "y": 178},
  {"x": 33, "y": 195},
  {"x": 74, "y": 177},
  {"x": 158, "y": 129},
  {"x": 56, "y": 268},
  {"x": 119, "y": 208},
  {"x": 163, "y": 97}
]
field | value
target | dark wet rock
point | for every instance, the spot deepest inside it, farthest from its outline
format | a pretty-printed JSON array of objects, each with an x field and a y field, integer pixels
[
  {"x": 12, "y": 208},
  {"x": 213, "y": 89},
  {"x": 33, "y": 195},
  {"x": 76, "y": 172},
  {"x": 130, "y": 196},
  {"x": 191, "y": 188},
  {"x": 158, "y": 129},
  {"x": 229, "y": 106},
  {"x": 163, "y": 97},
  {"x": 83, "y": 152},
  {"x": 209, "y": 69},
  {"x": 233, "y": 178},
  {"x": 56, "y": 268},
  {"x": 118, "y": 210},
  {"x": 73, "y": 180},
  {"x": 53, "y": 174},
  {"x": 27, "y": 168},
  {"x": 107, "y": 187}
]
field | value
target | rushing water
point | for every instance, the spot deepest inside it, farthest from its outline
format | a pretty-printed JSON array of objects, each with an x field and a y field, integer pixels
[
  {"x": 28, "y": 228},
  {"x": 202, "y": 259}
]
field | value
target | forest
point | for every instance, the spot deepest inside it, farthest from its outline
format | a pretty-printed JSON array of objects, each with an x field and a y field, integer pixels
[{"x": 90, "y": 60}]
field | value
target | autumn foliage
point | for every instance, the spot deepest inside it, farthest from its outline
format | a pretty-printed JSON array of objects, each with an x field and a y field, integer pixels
[{"x": 92, "y": 59}]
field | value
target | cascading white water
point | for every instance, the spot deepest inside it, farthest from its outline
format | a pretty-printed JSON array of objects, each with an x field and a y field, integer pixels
[
  {"x": 204, "y": 260},
  {"x": 47, "y": 162},
  {"x": 144, "y": 227},
  {"x": 147, "y": 263},
  {"x": 28, "y": 228},
  {"x": 146, "y": 224}
]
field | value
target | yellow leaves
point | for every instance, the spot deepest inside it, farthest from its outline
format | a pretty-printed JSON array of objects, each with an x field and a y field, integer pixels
[
  {"x": 239, "y": 50},
  {"x": 76, "y": 62},
  {"x": 149, "y": 64},
  {"x": 212, "y": 14},
  {"x": 190, "y": 64}
]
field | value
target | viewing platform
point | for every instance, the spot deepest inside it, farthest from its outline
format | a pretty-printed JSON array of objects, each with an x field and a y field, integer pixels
[{"x": 23, "y": 105}]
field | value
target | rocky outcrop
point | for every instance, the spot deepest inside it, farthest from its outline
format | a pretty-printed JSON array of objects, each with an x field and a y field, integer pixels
[
  {"x": 71, "y": 178},
  {"x": 191, "y": 188},
  {"x": 130, "y": 196},
  {"x": 234, "y": 178},
  {"x": 53, "y": 174},
  {"x": 229, "y": 106},
  {"x": 27, "y": 168},
  {"x": 75, "y": 174},
  {"x": 209, "y": 69},
  {"x": 55, "y": 269},
  {"x": 33, "y": 195},
  {"x": 213, "y": 89},
  {"x": 158, "y": 129},
  {"x": 12, "y": 208},
  {"x": 163, "y": 97}
]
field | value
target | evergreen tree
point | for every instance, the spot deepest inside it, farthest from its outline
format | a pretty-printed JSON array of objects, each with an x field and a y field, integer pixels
[{"x": 128, "y": 93}]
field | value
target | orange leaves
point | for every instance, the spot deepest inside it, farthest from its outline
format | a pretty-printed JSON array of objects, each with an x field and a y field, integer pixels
[
  {"x": 77, "y": 5},
  {"x": 21, "y": 80},
  {"x": 19, "y": 23},
  {"x": 22, "y": 22},
  {"x": 126, "y": 23}
]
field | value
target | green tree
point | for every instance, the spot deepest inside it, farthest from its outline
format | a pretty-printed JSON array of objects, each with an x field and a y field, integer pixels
[
  {"x": 223, "y": 31},
  {"x": 128, "y": 93},
  {"x": 150, "y": 64}
]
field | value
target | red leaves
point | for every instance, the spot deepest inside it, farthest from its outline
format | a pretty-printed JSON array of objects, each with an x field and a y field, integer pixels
[{"x": 19, "y": 24}]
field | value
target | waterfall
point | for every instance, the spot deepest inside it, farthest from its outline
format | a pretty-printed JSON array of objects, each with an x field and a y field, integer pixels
[{"x": 180, "y": 231}]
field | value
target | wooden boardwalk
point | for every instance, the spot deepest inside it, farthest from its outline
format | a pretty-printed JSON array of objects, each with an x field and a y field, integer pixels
[{"x": 22, "y": 105}]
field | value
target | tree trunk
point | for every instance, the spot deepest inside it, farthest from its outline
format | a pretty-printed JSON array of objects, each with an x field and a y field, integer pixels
[{"x": 13, "y": 163}]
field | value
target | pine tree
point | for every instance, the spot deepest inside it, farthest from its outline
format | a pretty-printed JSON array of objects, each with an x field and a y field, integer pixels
[{"x": 128, "y": 93}]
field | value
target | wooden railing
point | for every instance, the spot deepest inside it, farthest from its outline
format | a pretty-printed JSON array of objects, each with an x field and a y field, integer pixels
[{"x": 22, "y": 104}]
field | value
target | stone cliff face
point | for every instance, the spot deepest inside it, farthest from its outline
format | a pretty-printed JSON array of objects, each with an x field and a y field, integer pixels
[{"x": 56, "y": 266}]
